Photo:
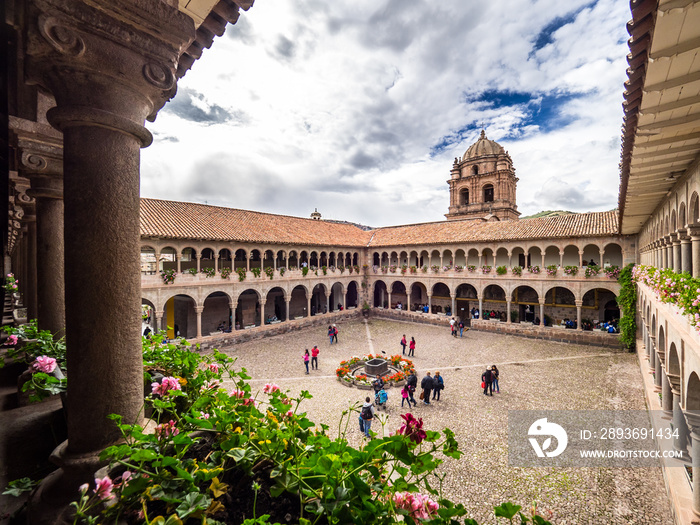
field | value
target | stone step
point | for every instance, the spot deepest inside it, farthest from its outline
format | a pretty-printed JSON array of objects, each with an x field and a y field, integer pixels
[
  {"x": 11, "y": 371},
  {"x": 8, "y": 398}
]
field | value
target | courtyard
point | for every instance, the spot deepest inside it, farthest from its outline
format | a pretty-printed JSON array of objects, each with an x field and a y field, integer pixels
[{"x": 534, "y": 375}]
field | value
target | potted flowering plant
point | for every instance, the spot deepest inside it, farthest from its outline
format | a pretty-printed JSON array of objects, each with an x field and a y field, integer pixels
[
  {"x": 270, "y": 272},
  {"x": 168, "y": 276},
  {"x": 414, "y": 269},
  {"x": 613, "y": 272},
  {"x": 384, "y": 269},
  {"x": 191, "y": 271},
  {"x": 517, "y": 270},
  {"x": 282, "y": 269},
  {"x": 342, "y": 269},
  {"x": 571, "y": 270},
  {"x": 392, "y": 268},
  {"x": 404, "y": 269},
  {"x": 435, "y": 268},
  {"x": 424, "y": 269},
  {"x": 552, "y": 269},
  {"x": 485, "y": 269},
  {"x": 11, "y": 284},
  {"x": 592, "y": 270},
  {"x": 241, "y": 273},
  {"x": 225, "y": 273},
  {"x": 209, "y": 272},
  {"x": 501, "y": 270},
  {"x": 533, "y": 269},
  {"x": 471, "y": 268},
  {"x": 459, "y": 268}
]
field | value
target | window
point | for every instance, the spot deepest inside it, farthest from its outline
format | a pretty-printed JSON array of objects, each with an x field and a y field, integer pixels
[{"x": 488, "y": 193}]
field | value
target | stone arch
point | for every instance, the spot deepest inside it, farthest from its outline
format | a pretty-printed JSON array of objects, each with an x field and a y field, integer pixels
[
  {"x": 525, "y": 300},
  {"x": 275, "y": 305},
  {"x": 180, "y": 310},
  {"x": 239, "y": 259},
  {"x": 661, "y": 342},
  {"x": 149, "y": 265},
  {"x": 551, "y": 255},
  {"x": 435, "y": 258},
  {"x": 419, "y": 295},
  {"x": 441, "y": 302},
  {"x": 599, "y": 303},
  {"x": 380, "y": 298},
  {"x": 188, "y": 258},
  {"x": 571, "y": 255},
  {"x": 225, "y": 260},
  {"x": 487, "y": 257},
  {"x": 447, "y": 258},
  {"x": 398, "y": 294},
  {"x": 501, "y": 258},
  {"x": 591, "y": 252},
  {"x": 487, "y": 192},
  {"x": 673, "y": 363},
  {"x": 460, "y": 258},
  {"x": 464, "y": 196},
  {"x": 494, "y": 303},
  {"x": 694, "y": 216},
  {"x": 376, "y": 259},
  {"x": 612, "y": 254},
  {"x": 519, "y": 257},
  {"x": 336, "y": 300},
  {"x": 692, "y": 393},
  {"x": 682, "y": 222},
  {"x": 674, "y": 227},
  {"x": 473, "y": 257},
  {"x": 534, "y": 256},
  {"x": 268, "y": 259},
  {"x": 298, "y": 302},
  {"x": 216, "y": 315},
  {"x": 318, "y": 299},
  {"x": 248, "y": 313},
  {"x": 148, "y": 315},
  {"x": 352, "y": 296}
]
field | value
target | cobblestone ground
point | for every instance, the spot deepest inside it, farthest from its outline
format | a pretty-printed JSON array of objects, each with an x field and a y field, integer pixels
[{"x": 533, "y": 375}]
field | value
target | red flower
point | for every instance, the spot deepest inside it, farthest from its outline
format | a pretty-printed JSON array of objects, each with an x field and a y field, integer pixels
[{"x": 413, "y": 428}]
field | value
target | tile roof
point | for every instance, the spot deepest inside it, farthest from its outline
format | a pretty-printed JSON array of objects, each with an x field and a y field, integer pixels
[
  {"x": 596, "y": 224},
  {"x": 185, "y": 220}
]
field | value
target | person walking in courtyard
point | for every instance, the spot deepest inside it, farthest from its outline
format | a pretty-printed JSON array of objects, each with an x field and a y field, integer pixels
[
  {"x": 494, "y": 379},
  {"x": 438, "y": 384},
  {"x": 330, "y": 333},
  {"x": 366, "y": 416},
  {"x": 412, "y": 383},
  {"x": 335, "y": 334},
  {"x": 486, "y": 379},
  {"x": 452, "y": 327},
  {"x": 403, "y": 344},
  {"x": 405, "y": 395},
  {"x": 412, "y": 347},
  {"x": 427, "y": 385},
  {"x": 306, "y": 360},
  {"x": 461, "y": 327},
  {"x": 314, "y": 357}
]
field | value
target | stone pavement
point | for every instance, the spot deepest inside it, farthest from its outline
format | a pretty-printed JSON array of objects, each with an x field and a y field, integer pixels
[{"x": 533, "y": 375}]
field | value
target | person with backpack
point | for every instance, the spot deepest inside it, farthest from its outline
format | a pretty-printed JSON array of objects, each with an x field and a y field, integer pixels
[
  {"x": 335, "y": 334},
  {"x": 330, "y": 333},
  {"x": 403, "y": 344},
  {"x": 366, "y": 417},
  {"x": 486, "y": 379},
  {"x": 438, "y": 384},
  {"x": 411, "y": 383}
]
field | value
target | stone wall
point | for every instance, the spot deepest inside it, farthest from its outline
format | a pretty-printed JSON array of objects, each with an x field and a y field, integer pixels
[{"x": 564, "y": 335}]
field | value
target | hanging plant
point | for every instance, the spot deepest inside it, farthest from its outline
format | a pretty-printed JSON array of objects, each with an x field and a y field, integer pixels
[
  {"x": 225, "y": 273},
  {"x": 627, "y": 300},
  {"x": 270, "y": 272},
  {"x": 209, "y": 272},
  {"x": 256, "y": 271},
  {"x": 168, "y": 276},
  {"x": 241, "y": 274}
]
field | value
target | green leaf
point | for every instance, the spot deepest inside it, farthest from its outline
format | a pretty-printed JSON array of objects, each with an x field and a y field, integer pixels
[
  {"x": 192, "y": 503},
  {"x": 17, "y": 487},
  {"x": 144, "y": 455},
  {"x": 506, "y": 510}
]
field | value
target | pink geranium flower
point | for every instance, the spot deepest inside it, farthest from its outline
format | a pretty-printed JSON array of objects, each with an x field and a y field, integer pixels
[
  {"x": 214, "y": 367},
  {"x": 167, "y": 384},
  {"x": 167, "y": 429},
  {"x": 419, "y": 507},
  {"x": 270, "y": 388},
  {"x": 11, "y": 341},
  {"x": 44, "y": 364},
  {"x": 103, "y": 488}
]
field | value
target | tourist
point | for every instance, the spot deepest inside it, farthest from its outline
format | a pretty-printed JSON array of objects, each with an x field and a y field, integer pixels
[
  {"x": 438, "y": 384},
  {"x": 314, "y": 357},
  {"x": 461, "y": 327},
  {"x": 330, "y": 333},
  {"x": 405, "y": 395},
  {"x": 452, "y": 327},
  {"x": 335, "y": 334},
  {"x": 494, "y": 379},
  {"x": 412, "y": 347},
  {"x": 306, "y": 360},
  {"x": 476, "y": 313},
  {"x": 366, "y": 417},
  {"x": 403, "y": 344},
  {"x": 427, "y": 385},
  {"x": 412, "y": 383},
  {"x": 486, "y": 379}
]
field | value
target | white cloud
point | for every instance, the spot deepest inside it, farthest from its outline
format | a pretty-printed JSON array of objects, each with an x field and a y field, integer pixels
[{"x": 338, "y": 106}]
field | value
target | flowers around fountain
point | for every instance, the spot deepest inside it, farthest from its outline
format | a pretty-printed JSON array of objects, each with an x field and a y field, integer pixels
[{"x": 346, "y": 368}]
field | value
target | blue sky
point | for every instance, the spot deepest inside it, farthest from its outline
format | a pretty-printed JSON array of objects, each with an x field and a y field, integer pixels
[{"x": 358, "y": 108}]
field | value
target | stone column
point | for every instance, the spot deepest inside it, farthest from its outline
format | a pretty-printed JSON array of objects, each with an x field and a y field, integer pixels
[
  {"x": 579, "y": 304},
  {"x": 480, "y": 260},
  {"x": 561, "y": 259},
  {"x": 652, "y": 353},
  {"x": 508, "y": 320},
  {"x": 42, "y": 161},
  {"x": 686, "y": 252},
  {"x": 693, "y": 420},
  {"x": 669, "y": 251},
  {"x": 179, "y": 262},
  {"x": 453, "y": 296},
  {"x": 308, "y": 304},
  {"x": 658, "y": 370},
  {"x": 580, "y": 259},
  {"x": 481, "y": 308},
  {"x": 542, "y": 313},
  {"x": 216, "y": 263},
  {"x": 262, "y": 312},
  {"x": 159, "y": 265},
  {"x": 430, "y": 303},
  {"x": 29, "y": 284},
  {"x": 199, "y": 262},
  {"x": 247, "y": 262},
  {"x": 156, "y": 323},
  {"x": 543, "y": 255},
  {"x": 695, "y": 250},
  {"x": 681, "y": 442},
  {"x": 328, "y": 302},
  {"x": 676, "y": 247},
  {"x": 109, "y": 64},
  {"x": 666, "y": 395},
  {"x": 198, "y": 310},
  {"x": 388, "y": 293},
  {"x": 286, "y": 303}
]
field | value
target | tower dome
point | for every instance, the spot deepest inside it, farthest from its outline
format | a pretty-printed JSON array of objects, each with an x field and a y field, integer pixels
[{"x": 482, "y": 147}]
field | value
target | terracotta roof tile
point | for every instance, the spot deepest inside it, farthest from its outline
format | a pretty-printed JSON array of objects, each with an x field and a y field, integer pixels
[
  {"x": 185, "y": 220},
  {"x": 574, "y": 225}
]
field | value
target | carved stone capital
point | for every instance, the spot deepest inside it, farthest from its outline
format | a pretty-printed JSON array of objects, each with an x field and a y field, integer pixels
[{"x": 108, "y": 63}]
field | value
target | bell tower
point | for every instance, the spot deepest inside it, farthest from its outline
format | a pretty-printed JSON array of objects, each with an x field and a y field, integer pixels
[{"x": 483, "y": 183}]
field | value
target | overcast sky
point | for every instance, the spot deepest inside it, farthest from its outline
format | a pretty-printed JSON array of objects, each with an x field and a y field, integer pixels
[{"x": 358, "y": 108}]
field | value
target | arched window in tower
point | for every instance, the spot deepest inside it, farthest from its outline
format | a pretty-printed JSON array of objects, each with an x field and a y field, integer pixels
[
  {"x": 488, "y": 193},
  {"x": 464, "y": 197},
  {"x": 475, "y": 170}
]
